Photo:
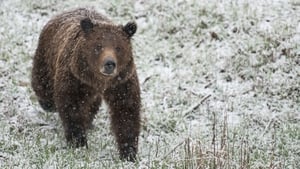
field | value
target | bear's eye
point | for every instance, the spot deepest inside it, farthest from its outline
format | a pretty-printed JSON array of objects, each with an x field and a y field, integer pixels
[
  {"x": 98, "y": 49},
  {"x": 118, "y": 49}
]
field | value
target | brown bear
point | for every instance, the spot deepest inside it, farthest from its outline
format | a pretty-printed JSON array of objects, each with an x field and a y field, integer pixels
[{"x": 83, "y": 58}]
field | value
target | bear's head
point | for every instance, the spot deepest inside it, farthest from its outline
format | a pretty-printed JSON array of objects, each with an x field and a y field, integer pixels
[{"x": 103, "y": 52}]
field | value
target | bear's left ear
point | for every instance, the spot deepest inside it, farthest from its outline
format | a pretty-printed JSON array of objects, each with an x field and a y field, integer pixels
[
  {"x": 130, "y": 28},
  {"x": 86, "y": 25}
]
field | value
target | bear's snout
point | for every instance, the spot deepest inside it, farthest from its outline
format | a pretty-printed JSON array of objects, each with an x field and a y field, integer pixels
[{"x": 109, "y": 66}]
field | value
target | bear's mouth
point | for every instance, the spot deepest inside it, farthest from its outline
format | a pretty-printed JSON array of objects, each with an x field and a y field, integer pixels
[{"x": 108, "y": 71}]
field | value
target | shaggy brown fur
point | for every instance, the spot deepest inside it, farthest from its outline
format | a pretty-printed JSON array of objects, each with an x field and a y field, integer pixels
[{"x": 82, "y": 58}]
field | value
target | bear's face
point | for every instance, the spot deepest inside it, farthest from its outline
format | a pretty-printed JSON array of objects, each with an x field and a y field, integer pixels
[{"x": 105, "y": 50}]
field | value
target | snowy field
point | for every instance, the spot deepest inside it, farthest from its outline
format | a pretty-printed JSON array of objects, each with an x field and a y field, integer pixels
[{"x": 220, "y": 85}]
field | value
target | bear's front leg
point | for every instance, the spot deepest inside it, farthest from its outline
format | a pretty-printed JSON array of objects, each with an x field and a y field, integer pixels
[
  {"x": 72, "y": 104},
  {"x": 74, "y": 126},
  {"x": 124, "y": 102}
]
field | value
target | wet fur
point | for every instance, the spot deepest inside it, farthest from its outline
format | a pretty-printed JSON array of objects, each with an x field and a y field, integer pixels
[{"x": 66, "y": 80}]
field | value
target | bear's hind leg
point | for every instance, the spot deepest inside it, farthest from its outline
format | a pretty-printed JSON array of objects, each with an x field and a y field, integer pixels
[
  {"x": 41, "y": 83},
  {"x": 47, "y": 105}
]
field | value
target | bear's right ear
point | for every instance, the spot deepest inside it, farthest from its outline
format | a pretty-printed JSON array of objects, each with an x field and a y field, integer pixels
[
  {"x": 130, "y": 28},
  {"x": 86, "y": 25}
]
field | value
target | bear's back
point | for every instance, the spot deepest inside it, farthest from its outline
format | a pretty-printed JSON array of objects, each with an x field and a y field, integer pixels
[
  {"x": 68, "y": 22},
  {"x": 74, "y": 16}
]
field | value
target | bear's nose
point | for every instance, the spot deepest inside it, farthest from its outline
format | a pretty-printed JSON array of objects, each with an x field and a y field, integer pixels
[{"x": 109, "y": 66}]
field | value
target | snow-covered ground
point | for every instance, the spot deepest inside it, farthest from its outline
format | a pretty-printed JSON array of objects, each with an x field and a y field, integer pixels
[{"x": 220, "y": 85}]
